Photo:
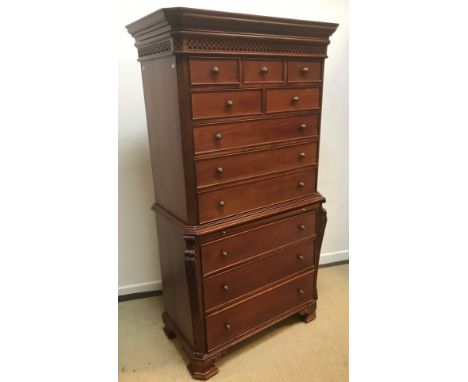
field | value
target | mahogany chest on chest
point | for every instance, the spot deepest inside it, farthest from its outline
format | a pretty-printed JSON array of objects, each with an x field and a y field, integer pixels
[{"x": 233, "y": 105}]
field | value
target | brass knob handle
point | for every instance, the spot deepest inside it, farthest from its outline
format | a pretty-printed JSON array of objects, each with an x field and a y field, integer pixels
[
  {"x": 300, "y": 291},
  {"x": 305, "y": 69},
  {"x": 219, "y": 136},
  {"x": 219, "y": 170},
  {"x": 300, "y": 257},
  {"x": 226, "y": 287},
  {"x": 264, "y": 70},
  {"x": 215, "y": 70},
  {"x": 302, "y": 155},
  {"x": 221, "y": 203},
  {"x": 301, "y": 184},
  {"x": 302, "y": 126},
  {"x": 295, "y": 99},
  {"x": 224, "y": 253},
  {"x": 227, "y": 326},
  {"x": 229, "y": 103},
  {"x": 302, "y": 227}
]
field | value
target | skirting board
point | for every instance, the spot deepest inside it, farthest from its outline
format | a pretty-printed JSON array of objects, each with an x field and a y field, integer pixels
[
  {"x": 325, "y": 258},
  {"x": 334, "y": 257},
  {"x": 141, "y": 287}
]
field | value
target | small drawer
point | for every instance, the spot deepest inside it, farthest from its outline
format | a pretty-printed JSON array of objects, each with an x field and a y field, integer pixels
[
  {"x": 304, "y": 71},
  {"x": 230, "y": 135},
  {"x": 227, "y": 286},
  {"x": 219, "y": 71},
  {"x": 230, "y": 323},
  {"x": 246, "y": 165},
  {"x": 263, "y": 71},
  {"x": 214, "y": 104},
  {"x": 228, "y": 201},
  {"x": 246, "y": 245},
  {"x": 278, "y": 100}
]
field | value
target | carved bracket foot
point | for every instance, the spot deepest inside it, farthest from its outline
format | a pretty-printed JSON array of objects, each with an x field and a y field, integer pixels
[
  {"x": 308, "y": 313},
  {"x": 202, "y": 369}
]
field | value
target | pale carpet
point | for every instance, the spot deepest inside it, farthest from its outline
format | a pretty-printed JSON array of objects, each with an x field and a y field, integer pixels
[{"x": 289, "y": 351}]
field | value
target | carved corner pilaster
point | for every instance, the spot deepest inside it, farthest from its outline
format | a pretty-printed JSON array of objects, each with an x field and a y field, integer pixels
[
  {"x": 322, "y": 224},
  {"x": 193, "y": 273}
]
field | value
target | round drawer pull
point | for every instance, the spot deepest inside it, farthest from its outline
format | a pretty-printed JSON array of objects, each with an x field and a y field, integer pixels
[
  {"x": 264, "y": 70},
  {"x": 224, "y": 253},
  {"x": 300, "y": 257},
  {"x": 219, "y": 136},
  {"x": 229, "y": 103},
  {"x": 302, "y": 155},
  {"x": 302, "y": 126},
  {"x": 295, "y": 99},
  {"x": 215, "y": 70},
  {"x": 226, "y": 287},
  {"x": 227, "y": 326},
  {"x": 301, "y": 184},
  {"x": 305, "y": 69},
  {"x": 219, "y": 170},
  {"x": 300, "y": 291},
  {"x": 302, "y": 227},
  {"x": 221, "y": 203}
]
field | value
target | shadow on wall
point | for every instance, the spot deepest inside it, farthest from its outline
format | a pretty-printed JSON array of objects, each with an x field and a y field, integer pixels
[{"x": 138, "y": 260}]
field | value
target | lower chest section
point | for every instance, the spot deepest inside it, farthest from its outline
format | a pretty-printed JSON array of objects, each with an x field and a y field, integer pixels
[{"x": 257, "y": 273}]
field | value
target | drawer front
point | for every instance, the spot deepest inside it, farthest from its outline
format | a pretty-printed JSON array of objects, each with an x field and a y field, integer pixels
[
  {"x": 304, "y": 71},
  {"x": 278, "y": 100},
  {"x": 245, "y": 165},
  {"x": 212, "y": 104},
  {"x": 206, "y": 71},
  {"x": 233, "y": 322},
  {"x": 249, "y": 277},
  {"x": 244, "y": 197},
  {"x": 234, "y": 249},
  {"x": 263, "y": 71},
  {"x": 231, "y": 135}
]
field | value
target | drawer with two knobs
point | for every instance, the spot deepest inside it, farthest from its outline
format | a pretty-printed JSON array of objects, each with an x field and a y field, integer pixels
[{"x": 249, "y": 195}]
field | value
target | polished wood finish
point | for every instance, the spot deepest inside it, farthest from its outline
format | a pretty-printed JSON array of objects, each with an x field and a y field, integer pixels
[
  {"x": 258, "y": 309},
  {"x": 263, "y": 71},
  {"x": 164, "y": 133},
  {"x": 304, "y": 71},
  {"x": 226, "y": 103},
  {"x": 249, "y": 195},
  {"x": 221, "y": 169},
  {"x": 233, "y": 107},
  {"x": 254, "y": 132},
  {"x": 176, "y": 295},
  {"x": 205, "y": 71},
  {"x": 292, "y": 99},
  {"x": 246, "y": 245},
  {"x": 227, "y": 286}
]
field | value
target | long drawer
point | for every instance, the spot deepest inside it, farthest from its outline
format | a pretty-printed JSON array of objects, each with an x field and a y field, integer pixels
[
  {"x": 227, "y": 286},
  {"x": 222, "y": 136},
  {"x": 245, "y": 245},
  {"x": 239, "y": 319},
  {"x": 249, "y": 164},
  {"x": 227, "y": 201}
]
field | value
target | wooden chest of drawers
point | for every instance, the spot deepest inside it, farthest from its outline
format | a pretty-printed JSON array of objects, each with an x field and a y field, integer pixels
[{"x": 233, "y": 106}]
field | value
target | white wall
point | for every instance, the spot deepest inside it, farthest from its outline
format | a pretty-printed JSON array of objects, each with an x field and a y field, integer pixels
[{"x": 138, "y": 251}]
